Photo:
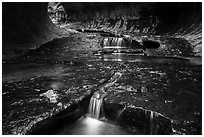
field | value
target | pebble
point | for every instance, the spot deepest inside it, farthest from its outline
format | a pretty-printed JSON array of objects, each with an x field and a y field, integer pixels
[
  {"x": 51, "y": 95},
  {"x": 37, "y": 89},
  {"x": 59, "y": 104},
  {"x": 143, "y": 89}
]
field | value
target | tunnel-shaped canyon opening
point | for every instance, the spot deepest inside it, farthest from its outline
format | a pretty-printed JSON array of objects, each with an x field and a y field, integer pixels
[
  {"x": 139, "y": 19},
  {"x": 56, "y": 57},
  {"x": 57, "y": 13}
]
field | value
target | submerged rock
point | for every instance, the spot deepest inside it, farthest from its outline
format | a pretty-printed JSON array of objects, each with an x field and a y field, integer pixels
[{"x": 51, "y": 95}]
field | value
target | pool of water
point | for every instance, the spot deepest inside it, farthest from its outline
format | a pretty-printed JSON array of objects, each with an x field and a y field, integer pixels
[
  {"x": 124, "y": 57},
  {"x": 170, "y": 86},
  {"x": 90, "y": 126}
]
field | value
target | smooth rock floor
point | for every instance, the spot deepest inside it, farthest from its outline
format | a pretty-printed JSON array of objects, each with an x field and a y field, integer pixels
[{"x": 45, "y": 81}]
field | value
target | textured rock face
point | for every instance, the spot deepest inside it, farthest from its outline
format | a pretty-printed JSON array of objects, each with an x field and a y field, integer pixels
[
  {"x": 27, "y": 25},
  {"x": 47, "y": 80},
  {"x": 153, "y": 18},
  {"x": 57, "y": 13},
  {"x": 177, "y": 20},
  {"x": 138, "y": 119}
]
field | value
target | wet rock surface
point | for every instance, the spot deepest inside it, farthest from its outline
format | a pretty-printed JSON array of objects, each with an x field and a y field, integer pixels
[
  {"x": 27, "y": 78},
  {"x": 54, "y": 124},
  {"x": 166, "y": 90},
  {"x": 62, "y": 72},
  {"x": 33, "y": 27},
  {"x": 173, "y": 20},
  {"x": 138, "y": 120}
]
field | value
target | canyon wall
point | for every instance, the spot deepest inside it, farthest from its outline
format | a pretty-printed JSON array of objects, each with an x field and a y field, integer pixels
[{"x": 27, "y": 25}]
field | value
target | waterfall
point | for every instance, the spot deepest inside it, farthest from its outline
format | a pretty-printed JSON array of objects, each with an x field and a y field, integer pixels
[
  {"x": 95, "y": 105},
  {"x": 113, "y": 43},
  {"x": 119, "y": 42},
  {"x": 151, "y": 128},
  {"x": 105, "y": 42},
  {"x": 96, "y": 101}
]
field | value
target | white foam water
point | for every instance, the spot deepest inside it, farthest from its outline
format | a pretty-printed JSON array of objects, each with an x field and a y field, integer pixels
[
  {"x": 95, "y": 106},
  {"x": 91, "y": 126},
  {"x": 96, "y": 101}
]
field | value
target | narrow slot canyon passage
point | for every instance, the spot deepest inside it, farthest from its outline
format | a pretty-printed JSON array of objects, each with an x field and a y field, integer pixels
[{"x": 102, "y": 68}]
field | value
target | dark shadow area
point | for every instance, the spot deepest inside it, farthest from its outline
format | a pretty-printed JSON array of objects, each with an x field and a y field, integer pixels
[
  {"x": 51, "y": 125},
  {"x": 56, "y": 56},
  {"x": 134, "y": 120},
  {"x": 138, "y": 120}
]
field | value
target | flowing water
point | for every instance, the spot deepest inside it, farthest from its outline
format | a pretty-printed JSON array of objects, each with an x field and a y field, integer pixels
[
  {"x": 96, "y": 101},
  {"x": 170, "y": 86},
  {"x": 116, "y": 43},
  {"x": 91, "y": 126},
  {"x": 95, "y": 106}
]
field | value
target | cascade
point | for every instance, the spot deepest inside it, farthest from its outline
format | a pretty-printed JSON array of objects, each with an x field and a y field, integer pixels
[
  {"x": 105, "y": 42},
  {"x": 113, "y": 43},
  {"x": 94, "y": 109},
  {"x": 151, "y": 128},
  {"x": 119, "y": 42}
]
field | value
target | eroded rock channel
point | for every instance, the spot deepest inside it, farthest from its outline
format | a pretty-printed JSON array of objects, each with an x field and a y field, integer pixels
[
  {"x": 158, "y": 93},
  {"x": 92, "y": 80}
]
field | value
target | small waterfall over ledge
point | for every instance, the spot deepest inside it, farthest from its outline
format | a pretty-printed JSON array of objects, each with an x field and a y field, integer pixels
[
  {"x": 116, "y": 43},
  {"x": 94, "y": 109},
  {"x": 124, "y": 43},
  {"x": 95, "y": 105},
  {"x": 118, "y": 119}
]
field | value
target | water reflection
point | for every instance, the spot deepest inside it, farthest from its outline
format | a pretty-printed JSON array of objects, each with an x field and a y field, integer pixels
[
  {"x": 119, "y": 57},
  {"x": 173, "y": 88},
  {"x": 128, "y": 57},
  {"x": 116, "y": 57}
]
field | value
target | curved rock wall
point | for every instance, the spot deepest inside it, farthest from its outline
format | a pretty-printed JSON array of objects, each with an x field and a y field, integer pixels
[
  {"x": 177, "y": 20},
  {"x": 25, "y": 26},
  {"x": 159, "y": 18}
]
